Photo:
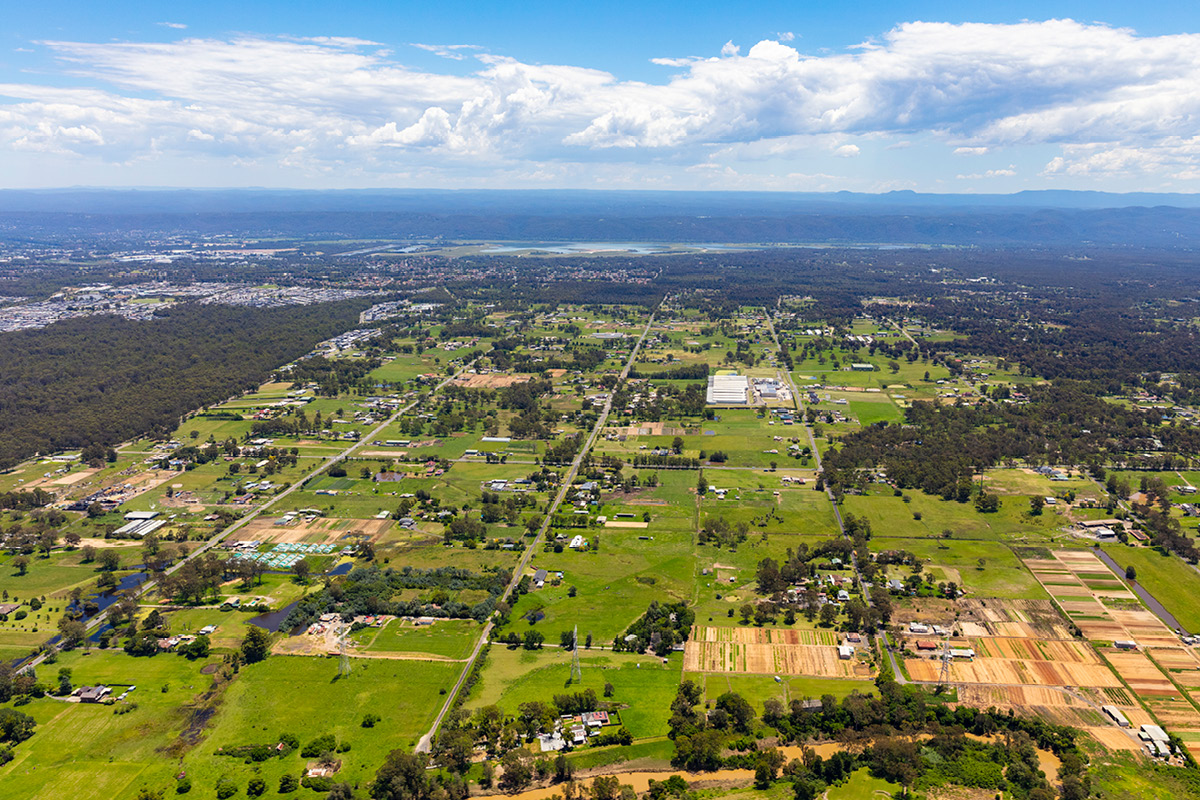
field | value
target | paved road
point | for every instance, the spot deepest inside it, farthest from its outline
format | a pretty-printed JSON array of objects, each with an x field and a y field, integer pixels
[{"x": 426, "y": 742}]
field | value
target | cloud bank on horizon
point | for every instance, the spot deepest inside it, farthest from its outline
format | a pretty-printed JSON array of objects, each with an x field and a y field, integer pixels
[{"x": 930, "y": 106}]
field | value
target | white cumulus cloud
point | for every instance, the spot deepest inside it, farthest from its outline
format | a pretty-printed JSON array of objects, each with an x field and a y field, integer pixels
[{"x": 1109, "y": 100}]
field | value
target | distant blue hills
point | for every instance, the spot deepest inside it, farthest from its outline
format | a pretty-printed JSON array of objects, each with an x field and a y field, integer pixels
[{"x": 1050, "y": 217}]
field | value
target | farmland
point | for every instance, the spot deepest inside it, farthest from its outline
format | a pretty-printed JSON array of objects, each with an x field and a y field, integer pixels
[{"x": 429, "y": 515}]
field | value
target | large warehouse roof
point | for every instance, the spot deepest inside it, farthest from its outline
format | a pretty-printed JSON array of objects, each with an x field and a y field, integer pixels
[{"x": 727, "y": 389}]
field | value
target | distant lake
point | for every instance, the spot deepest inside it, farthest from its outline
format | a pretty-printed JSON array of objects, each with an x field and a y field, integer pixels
[
  {"x": 646, "y": 248},
  {"x": 576, "y": 248},
  {"x": 584, "y": 248}
]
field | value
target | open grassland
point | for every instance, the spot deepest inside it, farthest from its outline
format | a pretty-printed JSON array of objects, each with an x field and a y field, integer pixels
[
  {"x": 891, "y": 516},
  {"x": 306, "y": 697},
  {"x": 741, "y": 433},
  {"x": 1006, "y": 482},
  {"x": 56, "y": 575},
  {"x": 1001, "y": 575},
  {"x": 612, "y": 589},
  {"x": 299, "y": 695}
]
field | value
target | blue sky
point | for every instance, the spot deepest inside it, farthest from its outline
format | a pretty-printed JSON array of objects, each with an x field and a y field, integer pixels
[{"x": 870, "y": 96}]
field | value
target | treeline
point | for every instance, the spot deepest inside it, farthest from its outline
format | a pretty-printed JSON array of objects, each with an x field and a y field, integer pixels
[
  {"x": 332, "y": 377},
  {"x": 106, "y": 380},
  {"x": 939, "y": 448},
  {"x": 23, "y": 501},
  {"x": 687, "y": 372},
  {"x": 369, "y": 590}
]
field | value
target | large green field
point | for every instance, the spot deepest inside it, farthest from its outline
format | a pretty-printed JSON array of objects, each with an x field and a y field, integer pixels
[
  {"x": 303, "y": 696},
  {"x": 642, "y": 684},
  {"x": 891, "y": 516},
  {"x": 118, "y": 752},
  {"x": 449, "y": 638}
]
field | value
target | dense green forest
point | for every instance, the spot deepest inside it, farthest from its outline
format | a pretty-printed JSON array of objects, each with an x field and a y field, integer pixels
[{"x": 105, "y": 379}]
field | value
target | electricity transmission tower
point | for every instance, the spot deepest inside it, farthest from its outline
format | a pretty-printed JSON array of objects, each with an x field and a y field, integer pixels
[
  {"x": 944, "y": 674},
  {"x": 576, "y": 670}
]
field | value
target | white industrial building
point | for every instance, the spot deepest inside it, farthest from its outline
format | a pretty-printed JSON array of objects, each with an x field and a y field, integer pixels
[{"x": 728, "y": 390}]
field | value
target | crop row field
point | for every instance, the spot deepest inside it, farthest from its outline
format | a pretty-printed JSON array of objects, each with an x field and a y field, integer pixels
[
  {"x": 1009, "y": 672},
  {"x": 766, "y": 651},
  {"x": 703, "y": 633},
  {"x": 770, "y": 659},
  {"x": 1097, "y": 601}
]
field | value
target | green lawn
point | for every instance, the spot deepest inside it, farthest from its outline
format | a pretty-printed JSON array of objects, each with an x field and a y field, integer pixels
[{"x": 862, "y": 786}]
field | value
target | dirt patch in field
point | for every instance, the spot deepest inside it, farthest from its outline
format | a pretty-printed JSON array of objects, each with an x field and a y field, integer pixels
[
  {"x": 498, "y": 381},
  {"x": 652, "y": 429},
  {"x": 1074, "y": 590},
  {"x": 303, "y": 645},
  {"x": 74, "y": 477},
  {"x": 767, "y": 659},
  {"x": 764, "y": 636},
  {"x": 319, "y": 531},
  {"x": 98, "y": 543},
  {"x": 1174, "y": 658},
  {"x": 1016, "y": 696},
  {"x": 1037, "y": 619},
  {"x": 958, "y": 793},
  {"x": 1035, "y": 650},
  {"x": 626, "y": 524}
]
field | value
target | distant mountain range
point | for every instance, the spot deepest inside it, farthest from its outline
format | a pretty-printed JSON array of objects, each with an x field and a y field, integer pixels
[{"x": 1054, "y": 218}]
